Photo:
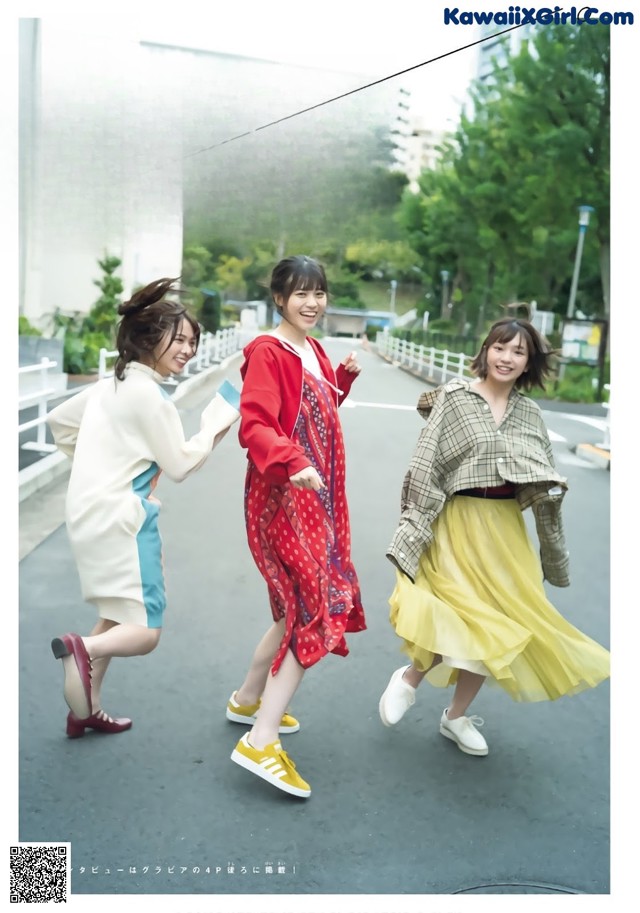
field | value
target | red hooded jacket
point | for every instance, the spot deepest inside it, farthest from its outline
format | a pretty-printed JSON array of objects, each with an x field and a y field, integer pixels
[{"x": 272, "y": 375}]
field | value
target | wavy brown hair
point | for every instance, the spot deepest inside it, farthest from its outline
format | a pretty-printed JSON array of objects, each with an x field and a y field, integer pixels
[
  {"x": 146, "y": 318},
  {"x": 538, "y": 365}
]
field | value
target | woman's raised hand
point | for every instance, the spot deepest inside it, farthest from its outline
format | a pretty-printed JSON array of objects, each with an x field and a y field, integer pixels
[{"x": 350, "y": 363}]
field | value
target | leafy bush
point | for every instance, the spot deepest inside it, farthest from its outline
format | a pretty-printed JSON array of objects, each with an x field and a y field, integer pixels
[
  {"x": 104, "y": 314},
  {"x": 343, "y": 285},
  {"x": 579, "y": 384},
  {"x": 82, "y": 351},
  {"x": 85, "y": 334},
  {"x": 25, "y": 328}
]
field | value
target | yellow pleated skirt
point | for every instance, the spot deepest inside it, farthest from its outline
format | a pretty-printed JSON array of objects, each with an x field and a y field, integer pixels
[{"x": 479, "y": 602}]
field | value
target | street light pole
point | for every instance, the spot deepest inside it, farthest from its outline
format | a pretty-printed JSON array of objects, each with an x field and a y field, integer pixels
[
  {"x": 392, "y": 303},
  {"x": 583, "y": 221},
  {"x": 444, "y": 275}
]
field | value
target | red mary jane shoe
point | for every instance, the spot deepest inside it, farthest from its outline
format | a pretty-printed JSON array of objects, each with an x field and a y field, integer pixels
[
  {"x": 77, "y": 676},
  {"x": 101, "y": 723}
]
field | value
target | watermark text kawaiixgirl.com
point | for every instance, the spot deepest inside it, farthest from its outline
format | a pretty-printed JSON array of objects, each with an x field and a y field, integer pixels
[{"x": 528, "y": 15}]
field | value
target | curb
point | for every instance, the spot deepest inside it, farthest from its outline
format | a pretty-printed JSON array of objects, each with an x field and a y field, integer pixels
[
  {"x": 32, "y": 478},
  {"x": 596, "y": 455}
]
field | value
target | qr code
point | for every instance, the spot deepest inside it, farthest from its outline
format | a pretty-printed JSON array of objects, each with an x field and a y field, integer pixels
[{"x": 39, "y": 873}]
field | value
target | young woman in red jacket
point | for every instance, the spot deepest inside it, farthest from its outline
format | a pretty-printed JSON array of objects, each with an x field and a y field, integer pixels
[{"x": 296, "y": 515}]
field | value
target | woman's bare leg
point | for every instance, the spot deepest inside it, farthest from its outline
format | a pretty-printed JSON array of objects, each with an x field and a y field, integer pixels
[
  {"x": 122, "y": 640},
  {"x": 278, "y": 691},
  {"x": 413, "y": 676},
  {"x": 99, "y": 666},
  {"x": 252, "y": 688},
  {"x": 467, "y": 687},
  {"x": 107, "y": 639}
]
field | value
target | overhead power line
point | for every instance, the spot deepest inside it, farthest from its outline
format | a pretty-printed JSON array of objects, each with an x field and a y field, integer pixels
[{"x": 329, "y": 101}]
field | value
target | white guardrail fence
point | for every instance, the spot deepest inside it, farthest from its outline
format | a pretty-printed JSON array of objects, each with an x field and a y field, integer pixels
[
  {"x": 213, "y": 348},
  {"x": 440, "y": 365},
  {"x": 38, "y": 397},
  {"x": 437, "y": 364}
]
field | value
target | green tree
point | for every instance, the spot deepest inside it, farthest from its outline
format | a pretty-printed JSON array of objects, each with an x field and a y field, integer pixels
[
  {"x": 229, "y": 275},
  {"x": 103, "y": 315},
  {"x": 500, "y": 211},
  {"x": 382, "y": 259},
  {"x": 262, "y": 256},
  {"x": 537, "y": 148},
  {"x": 197, "y": 266},
  {"x": 344, "y": 288}
]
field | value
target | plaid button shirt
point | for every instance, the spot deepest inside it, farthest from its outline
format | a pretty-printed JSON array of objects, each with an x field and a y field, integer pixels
[{"x": 462, "y": 447}]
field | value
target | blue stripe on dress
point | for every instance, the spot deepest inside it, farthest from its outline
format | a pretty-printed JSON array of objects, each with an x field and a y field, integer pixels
[
  {"x": 150, "y": 550},
  {"x": 142, "y": 484}
]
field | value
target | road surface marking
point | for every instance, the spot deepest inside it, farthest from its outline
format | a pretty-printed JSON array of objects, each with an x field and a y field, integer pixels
[{"x": 352, "y": 403}]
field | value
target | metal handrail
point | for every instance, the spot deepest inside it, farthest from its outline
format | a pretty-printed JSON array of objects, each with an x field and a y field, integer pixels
[
  {"x": 436, "y": 364},
  {"x": 213, "y": 348}
]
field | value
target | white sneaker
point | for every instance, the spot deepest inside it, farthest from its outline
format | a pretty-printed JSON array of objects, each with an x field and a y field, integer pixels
[
  {"x": 396, "y": 699},
  {"x": 463, "y": 732}
]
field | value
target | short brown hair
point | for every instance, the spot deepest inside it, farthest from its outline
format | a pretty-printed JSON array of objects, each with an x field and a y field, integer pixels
[{"x": 538, "y": 366}]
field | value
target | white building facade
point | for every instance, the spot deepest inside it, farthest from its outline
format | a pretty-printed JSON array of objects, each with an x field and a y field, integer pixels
[
  {"x": 124, "y": 145},
  {"x": 88, "y": 150}
]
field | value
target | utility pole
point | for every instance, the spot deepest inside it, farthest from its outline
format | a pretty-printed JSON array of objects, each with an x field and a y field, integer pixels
[
  {"x": 392, "y": 303},
  {"x": 444, "y": 308},
  {"x": 583, "y": 221}
]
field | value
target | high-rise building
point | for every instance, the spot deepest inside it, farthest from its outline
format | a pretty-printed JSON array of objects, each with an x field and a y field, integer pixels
[{"x": 497, "y": 45}]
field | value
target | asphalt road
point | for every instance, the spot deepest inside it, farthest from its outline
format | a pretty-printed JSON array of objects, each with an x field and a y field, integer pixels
[{"x": 161, "y": 810}]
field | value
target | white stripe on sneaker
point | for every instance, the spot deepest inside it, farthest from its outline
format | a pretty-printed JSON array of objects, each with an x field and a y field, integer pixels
[{"x": 275, "y": 767}]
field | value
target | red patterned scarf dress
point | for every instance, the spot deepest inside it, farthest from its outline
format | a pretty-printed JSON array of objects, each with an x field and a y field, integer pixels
[{"x": 301, "y": 541}]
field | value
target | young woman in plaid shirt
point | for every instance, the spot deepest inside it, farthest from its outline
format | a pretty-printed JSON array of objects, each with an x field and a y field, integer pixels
[{"x": 469, "y": 601}]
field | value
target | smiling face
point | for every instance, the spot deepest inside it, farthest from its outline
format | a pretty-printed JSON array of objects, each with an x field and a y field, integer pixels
[
  {"x": 299, "y": 290},
  {"x": 507, "y": 360},
  {"x": 171, "y": 356},
  {"x": 303, "y": 309},
  {"x": 519, "y": 354}
]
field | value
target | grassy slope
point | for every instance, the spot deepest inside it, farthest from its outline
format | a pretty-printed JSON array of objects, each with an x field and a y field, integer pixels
[{"x": 377, "y": 296}]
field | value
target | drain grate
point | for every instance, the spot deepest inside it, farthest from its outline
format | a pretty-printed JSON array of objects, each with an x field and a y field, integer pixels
[{"x": 517, "y": 887}]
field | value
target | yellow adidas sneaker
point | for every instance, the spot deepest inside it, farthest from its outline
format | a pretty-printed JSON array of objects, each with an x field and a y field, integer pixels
[
  {"x": 246, "y": 713},
  {"x": 272, "y": 764}
]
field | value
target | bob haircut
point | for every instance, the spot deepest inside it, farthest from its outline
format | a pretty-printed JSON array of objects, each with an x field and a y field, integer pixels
[
  {"x": 146, "y": 319},
  {"x": 538, "y": 366},
  {"x": 295, "y": 273}
]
